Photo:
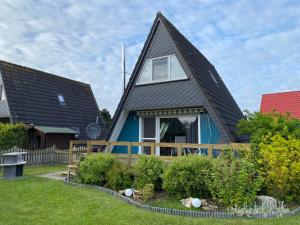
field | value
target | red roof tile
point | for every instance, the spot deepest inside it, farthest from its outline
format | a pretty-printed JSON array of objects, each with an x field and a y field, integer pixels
[{"x": 282, "y": 103}]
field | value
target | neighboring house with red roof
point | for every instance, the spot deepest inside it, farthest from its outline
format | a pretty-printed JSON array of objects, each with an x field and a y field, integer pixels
[{"x": 282, "y": 102}]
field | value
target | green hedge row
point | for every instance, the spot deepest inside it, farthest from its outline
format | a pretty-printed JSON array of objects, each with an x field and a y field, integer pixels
[{"x": 229, "y": 181}]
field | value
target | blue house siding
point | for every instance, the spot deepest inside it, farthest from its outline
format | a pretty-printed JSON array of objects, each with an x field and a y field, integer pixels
[
  {"x": 129, "y": 132},
  {"x": 209, "y": 131}
]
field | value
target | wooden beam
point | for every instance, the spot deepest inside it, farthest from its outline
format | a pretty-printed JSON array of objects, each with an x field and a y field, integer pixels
[{"x": 129, "y": 154}]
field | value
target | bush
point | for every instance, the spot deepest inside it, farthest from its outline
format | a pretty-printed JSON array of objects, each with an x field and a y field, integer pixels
[
  {"x": 262, "y": 127},
  {"x": 234, "y": 182},
  {"x": 280, "y": 166},
  {"x": 147, "y": 192},
  {"x": 186, "y": 177},
  {"x": 119, "y": 177},
  {"x": 93, "y": 169},
  {"x": 12, "y": 135},
  {"x": 148, "y": 170}
]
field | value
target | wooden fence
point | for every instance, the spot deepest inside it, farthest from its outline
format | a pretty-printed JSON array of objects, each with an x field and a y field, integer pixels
[
  {"x": 178, "y": 148},
  {"x": 48, "y": 156}
]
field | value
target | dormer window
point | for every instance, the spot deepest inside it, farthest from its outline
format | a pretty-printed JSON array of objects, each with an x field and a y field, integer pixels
[
  {"x": 166, "y": 68},
  {"x": 61, "y": 99}
]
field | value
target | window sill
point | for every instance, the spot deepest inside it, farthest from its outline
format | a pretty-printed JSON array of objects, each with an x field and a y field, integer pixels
[{"x": 161, "y": 81}]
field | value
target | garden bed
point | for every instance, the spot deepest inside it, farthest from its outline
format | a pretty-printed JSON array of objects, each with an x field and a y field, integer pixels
[{"x": 173, "y": 211}]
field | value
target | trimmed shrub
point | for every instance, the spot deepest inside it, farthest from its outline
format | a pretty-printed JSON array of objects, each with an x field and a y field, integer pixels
[
  {"x": 186, "y": 177},
  {"x": 119, "y": 177},
  {"x": 148, "y": 170},
  {"x": 12, "y": 135},
  {"x": 147, "y": 192},
  {"x": 234, "y": 182},
  {"x": 280, "y": 166},
  {"x": 93, "y": 168}
]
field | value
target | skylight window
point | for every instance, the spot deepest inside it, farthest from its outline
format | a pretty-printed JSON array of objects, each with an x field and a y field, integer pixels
[
  {"x": 61, "y": 99},
  {"x": 166, "y": 68},
  {"x": 213, "y": 76},
  {"x": 2, "y": 96}
]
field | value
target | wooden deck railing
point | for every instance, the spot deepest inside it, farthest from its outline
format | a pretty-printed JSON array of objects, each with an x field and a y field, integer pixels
[{"x": 180, "y": 148}]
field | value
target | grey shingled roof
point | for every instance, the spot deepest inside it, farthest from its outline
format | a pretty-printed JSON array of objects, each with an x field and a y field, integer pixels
[
  {"x": 32, "y": 98},
  {"x": 214, "y": 97}
]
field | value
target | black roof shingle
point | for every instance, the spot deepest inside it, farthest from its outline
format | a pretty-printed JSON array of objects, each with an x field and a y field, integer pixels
[{"x": 32, "y": 97}]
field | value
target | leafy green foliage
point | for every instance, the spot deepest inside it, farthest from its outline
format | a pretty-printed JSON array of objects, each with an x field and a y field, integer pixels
[
  {"x": 12, "y": 135},
  {"x": 93, "y": 169},
  {"x": 234, "y": 182},
  {"x": 275, "y": 150},
  {"x": 280, "y": 165},
  {"x": 147, "y": 192},
  {"x": 186, "y": 176},
  {"x": 148, "y": 170},
  {"x": 119, "y": 177},
  {"x": 105, "y": 115},
  {"x": 262, "y": 127}
]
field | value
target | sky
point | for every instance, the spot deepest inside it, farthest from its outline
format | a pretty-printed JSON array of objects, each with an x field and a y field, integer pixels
[{"x": 254, "y": 45}]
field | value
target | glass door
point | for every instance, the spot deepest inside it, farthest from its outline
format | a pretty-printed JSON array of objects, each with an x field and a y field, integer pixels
[{"x": 148, "y": 133}]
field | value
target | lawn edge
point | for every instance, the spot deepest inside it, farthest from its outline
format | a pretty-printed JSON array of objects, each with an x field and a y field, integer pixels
[{"x": 178, "y": 212}]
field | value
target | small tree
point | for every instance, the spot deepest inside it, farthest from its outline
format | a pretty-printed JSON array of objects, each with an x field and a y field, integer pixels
[
  {"x": 262, "y": 127},
  {"x": 275, "y": 151},
  {"x": 106, "y": 117},
  {"x": 280, "y": 165},
  {"x": 12, "y": 135}
]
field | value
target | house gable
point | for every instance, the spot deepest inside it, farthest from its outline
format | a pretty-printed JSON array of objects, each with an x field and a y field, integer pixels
[
  {"x": 203, "y": 88},
  {"x": 163, "y": 95}
]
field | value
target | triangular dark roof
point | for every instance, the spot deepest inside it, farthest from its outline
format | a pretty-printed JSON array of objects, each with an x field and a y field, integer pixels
[
  {"x": 32, "y": 98},
  {"x": 215, "y": 97}
]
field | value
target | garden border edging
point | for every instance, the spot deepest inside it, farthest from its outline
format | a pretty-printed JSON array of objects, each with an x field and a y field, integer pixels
[{"x": 178, "y": 212}]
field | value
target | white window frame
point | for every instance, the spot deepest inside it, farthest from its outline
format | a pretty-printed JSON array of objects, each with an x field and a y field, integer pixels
[
  {"x": 160, "y": 80},
  {"x": 157, "y": 130}
]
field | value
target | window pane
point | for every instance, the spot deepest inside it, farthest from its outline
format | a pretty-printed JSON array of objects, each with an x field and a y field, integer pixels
[
  {"x": 178, "y": 130},
  {"x": 176, "y": 69},
  {"x": 61, "y": 99},
  {"x": 160, "y": 69},
  {"x": 149, "y": 128},
  {"x": 146, "y": 75}
]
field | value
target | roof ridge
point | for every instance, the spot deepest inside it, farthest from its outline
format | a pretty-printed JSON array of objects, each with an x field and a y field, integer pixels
[
  {"x": 276, "y": 93},
  {"x": 37, "y": 70},
  {"x": 169, "y": 23}
]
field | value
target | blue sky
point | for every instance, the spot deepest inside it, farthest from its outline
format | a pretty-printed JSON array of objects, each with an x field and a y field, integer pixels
[{"x": 254, "y": 45}]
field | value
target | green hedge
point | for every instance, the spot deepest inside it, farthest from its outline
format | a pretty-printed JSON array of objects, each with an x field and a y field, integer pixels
[
  {"x": 93, "y": 169},
  {"x": 148, "y": 170},
  {"x": 186, "y": 176},
  {"x": 234, "y": 182},
  {"x": 12, "y": 135}
]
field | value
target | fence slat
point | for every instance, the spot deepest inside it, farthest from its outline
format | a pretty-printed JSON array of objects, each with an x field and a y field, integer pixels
[{"x": 48, "y": 156}]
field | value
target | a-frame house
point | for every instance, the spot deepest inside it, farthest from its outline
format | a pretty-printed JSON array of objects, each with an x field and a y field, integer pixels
[{"x": 174, "y": 95}]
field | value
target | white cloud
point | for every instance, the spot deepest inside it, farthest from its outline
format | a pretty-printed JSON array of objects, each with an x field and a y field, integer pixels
[{"x": 253, "y": 45}]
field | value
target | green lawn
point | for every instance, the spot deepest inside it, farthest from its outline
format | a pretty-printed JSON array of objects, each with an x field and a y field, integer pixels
[{"x": 34, "y": 200}]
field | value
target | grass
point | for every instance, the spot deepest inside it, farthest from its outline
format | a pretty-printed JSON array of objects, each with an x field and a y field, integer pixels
[
  {"x": 165, "y": 201},
  {"x": 35, "y": 200}
]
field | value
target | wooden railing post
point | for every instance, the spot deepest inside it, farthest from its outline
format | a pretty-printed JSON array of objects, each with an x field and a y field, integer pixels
[
  {"x": 179, "y": 150},
  {"x": 88, "y": 147},
  {"x": 210, "y": 149},
  {"x": 108, "y": 147},
  {"x": 152, "y": 149},
  {"x": 129, "y": 153},
  {"x": 71, "y": 153}
]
